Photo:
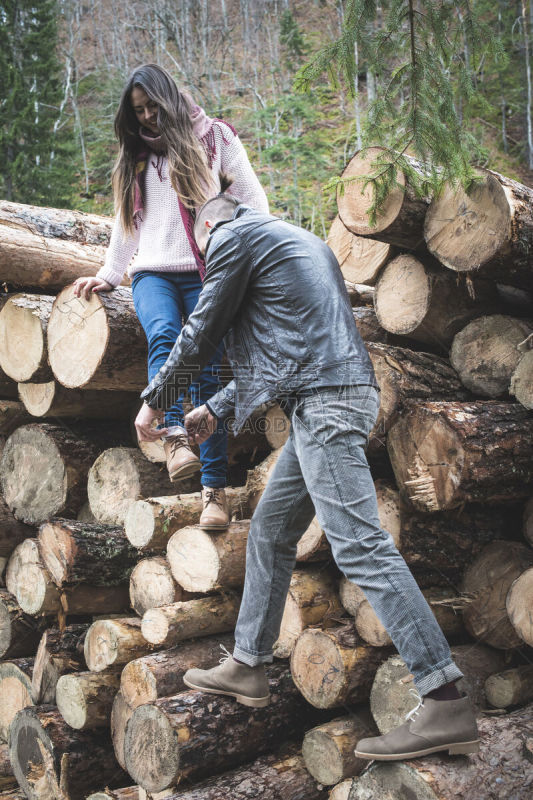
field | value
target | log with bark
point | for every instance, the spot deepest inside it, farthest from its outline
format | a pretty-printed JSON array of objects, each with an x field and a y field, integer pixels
[
  {"x": 12, "y": 416},
  {"x": 341, "y": 790},
  {"x": 119, "y": 477},
  {"x": 394, "y": 693},
  {"x": 314, "y": 545},
  {"x": 7, "y": 777},
  {"x": 114, "y": 641},
  {"x": 152, "y": 585},
  {"x": 521, "y": 385},
  {"x": 168, "y": 625},
  {"x": 512, "y": 687},
  {"x": 205, "y": 561},
  {"x": 422, "y": 300},
  {"x": 15, "y": 691},
  {"x": 328, "y": 749},
  {"x": 193, "y": 734},
  {"x": 258, "y": 478},
  {"x": 20, "y": 633},
  {"x": 438, "y": 453},
  {"x": 12, "y": 531},
  {"x": 84, "y": 699},
  {"x": 51, "y": 759},
  {"x": 53, "y": 400},
  {"x": 311, "y": 600},
  {"x": 277, "y": 427},
  {"x": 120, "y": 715},
  {"x": 401, "y": 219},
  {"x": 30, "y": 582},
  {"x": 23, "y": 325},
  {"x": 485, "y": 353},
  {"x": 81, "y": 552},
  {"x": 360, "y": 259},
  {"x": 150, "y": 523},
  {"x": 487, "y": 232},
  {"x": 97, "y": 343},
  {"x": 59, "y": 652},
  {"x": 331, "y": 667},
  {"x": 487, "y": 582},
  {"x": 502, "y": 768},
  {"x": 519, "y": 605}
]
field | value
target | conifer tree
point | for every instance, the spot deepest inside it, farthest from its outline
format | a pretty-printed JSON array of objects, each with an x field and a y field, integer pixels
[{"x": 35, "y": 166}]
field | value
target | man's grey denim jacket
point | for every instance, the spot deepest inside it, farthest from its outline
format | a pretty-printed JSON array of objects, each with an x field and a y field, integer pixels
[{"x": 275, "y": 293}]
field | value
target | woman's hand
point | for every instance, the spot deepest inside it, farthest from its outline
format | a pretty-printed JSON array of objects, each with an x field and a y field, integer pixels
[
  {"x": 89, "y": 285},
  {"x": 144, "y": 421},
  {"x": 200, "y": 424}
]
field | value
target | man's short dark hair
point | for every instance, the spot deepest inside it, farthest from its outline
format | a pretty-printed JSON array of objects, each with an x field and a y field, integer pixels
[{"x": 220, "y": 207}]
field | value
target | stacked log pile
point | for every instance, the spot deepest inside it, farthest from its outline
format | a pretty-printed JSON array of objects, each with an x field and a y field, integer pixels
[{"x": 112, "y": 591}]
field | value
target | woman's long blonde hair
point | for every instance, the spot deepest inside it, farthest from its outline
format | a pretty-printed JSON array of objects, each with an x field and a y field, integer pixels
[{"x": 188, "y": 168}]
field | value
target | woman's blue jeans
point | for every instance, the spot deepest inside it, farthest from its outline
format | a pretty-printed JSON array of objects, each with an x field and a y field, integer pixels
[{"x": 163, "y": 302}]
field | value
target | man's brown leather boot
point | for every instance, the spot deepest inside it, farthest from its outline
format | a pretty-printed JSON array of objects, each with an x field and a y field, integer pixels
[
  {"x": 181, "y": 461},
  {"x": 215, "y": 516}
]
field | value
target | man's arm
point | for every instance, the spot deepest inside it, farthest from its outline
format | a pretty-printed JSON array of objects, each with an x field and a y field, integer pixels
[
  {"x": 222, "y": 404},
  {"x": 222, "y": 293}
]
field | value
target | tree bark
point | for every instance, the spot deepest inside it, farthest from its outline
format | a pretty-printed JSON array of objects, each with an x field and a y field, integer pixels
[
  {"x": 15, "y": 691},
  {"x": 81, "y": 552},
  {"x": 23, "y": 325},
  {"x": 485, "y": 353},
  {"x": 84, "y": 699},
  {"x": 168, "y": 625},
  {"x": 331, "y": 667},
  {"x": 519, "y": 603},
  {"x": 193, "y": 734},
  {"x": 488, "y": 232},
  {"x": 152, "y": 585},
  {"x": 327, "y": 750},
  {"x": 97, "y": 344},
  {"x": 438, "y": 453},
  {"x": 51, "y": 759},
  {"x": 7, "y": 778},
  {"x": 12, "y": 532},
  {"x": 502, "y": 768},
  {"x": 114, "y": 641},
  {"x": 12, "y": 416},
  {"x": 118, "y": 477},
  {"x": 510, "y": 688},
  {"x": 394, "y": 694},
  {"x": 53, "y": 400},
  {"x": 487, "y": 582},
  {"x": 360, "y": 259},
  {"x": 527, "y": 521},
  {"x": 59, "y": 652},
  {"x": 19, "y": 632},
  {"x": 202, "y": 561}
]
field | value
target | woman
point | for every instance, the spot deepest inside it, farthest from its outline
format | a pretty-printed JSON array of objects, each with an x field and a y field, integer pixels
[{"x": 169, "y": 160}]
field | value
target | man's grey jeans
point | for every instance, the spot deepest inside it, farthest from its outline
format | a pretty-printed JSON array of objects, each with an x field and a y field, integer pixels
[{"x": 323, "y": 469}]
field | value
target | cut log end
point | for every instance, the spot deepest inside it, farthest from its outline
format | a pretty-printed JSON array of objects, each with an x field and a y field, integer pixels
[{"x": 153, "y": 759}]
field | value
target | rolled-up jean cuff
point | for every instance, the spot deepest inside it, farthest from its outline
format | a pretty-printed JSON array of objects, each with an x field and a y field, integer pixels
[
  {"x": 445, "y": 674},
  {"x": 252, "y": 659}
]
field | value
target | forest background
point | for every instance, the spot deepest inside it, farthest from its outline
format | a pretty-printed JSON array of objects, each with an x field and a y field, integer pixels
[{"x": 63, "y": 64}]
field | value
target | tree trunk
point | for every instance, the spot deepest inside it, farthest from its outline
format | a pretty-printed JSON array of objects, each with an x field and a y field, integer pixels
[
  {"x": 401, "y": 220},
  {"x": 278, "y": 427},
  {"x": 97, "y": 343},
  {"x": 81, "y": 552},
  {"x": 193, "y": 734},
  {"x": 161, "y": 674},
  {"x": 314, "y": 545},
  {"x": 311, "y": 600},
  {"x": 84, "y": 699},
  {"x": 168, "y": 625},
  {"x": 488, "y": 232},
  {"x": 360, "y": 259},
  {"x": 56, "y": 484},
  {"x": 19, "y": 632},
  {"x": 121, "y": 713},
  {"x": 29, "y": 581},
  {"x": 519, "y": 603},
  {"x": 118, "y": 477},
  {"x": 331, "y": 667},
  {"x": 114, "y": 641},
  {"x": 512, "y": 687},
  {"x": 53, "y": 400},
  {"x": 202, "y": 561},
  {"x": 51, "y": 759},
  {"x": 487, "y": 582},
  {"x": 371, "y": 331},
  {"x": 485, "y": 353},
  {"x": 12, "y": 416},
  {"x": 12, "y": 532},
  {"x": 421, "y": 300},
  {"x": 49, "y": 247},
  {"x": 152, "y": 585},
  {"x": 15, "y": 691},
  {"x": 501, "y": 769},
  {"x": 258, "y": 478},
  {"x": 438, "y": 453},
  {"x": 327, "y": 750},
  {"x": 394, "y": 694},
  {"x": 23, "y": 325},
  {"x": 59, "y": 652},
  {"x": 150, "y": 523}
]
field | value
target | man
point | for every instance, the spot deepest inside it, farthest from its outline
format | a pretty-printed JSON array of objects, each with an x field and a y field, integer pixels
[{"x": 276, "y": 295}]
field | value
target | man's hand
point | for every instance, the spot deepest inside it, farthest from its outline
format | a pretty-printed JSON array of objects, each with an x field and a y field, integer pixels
[
  {"x": 144, "y": 422},
  {"x": 200, "y": 424}
]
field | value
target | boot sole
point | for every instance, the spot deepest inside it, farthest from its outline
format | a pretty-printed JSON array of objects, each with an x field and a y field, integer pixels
[
  {"x": 185, "y": 472},
  {"x": 252, "y": 702},
  {"x": 455, "y": 749},
  {"x": 214, "y": 527}
]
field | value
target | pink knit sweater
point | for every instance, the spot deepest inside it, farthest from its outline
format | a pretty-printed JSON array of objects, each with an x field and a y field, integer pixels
[{"x": 160, "y": 243}]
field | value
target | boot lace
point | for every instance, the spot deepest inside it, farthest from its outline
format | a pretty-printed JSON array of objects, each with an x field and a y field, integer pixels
[
  {"x": 177, "y": 441},
  {"x": 416, "y": 710},
  {"x": 213, "y": 496},
  {"x": 226, "y": 655}
]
